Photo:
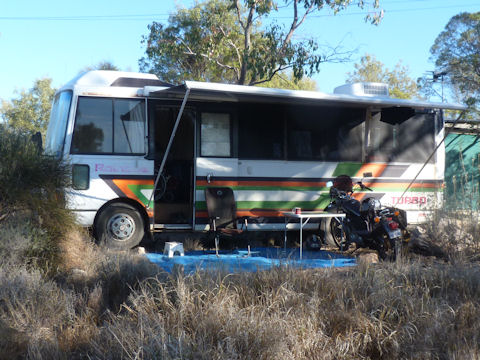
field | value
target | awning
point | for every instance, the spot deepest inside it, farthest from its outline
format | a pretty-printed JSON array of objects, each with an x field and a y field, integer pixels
[{"x": 204, "y": 91}]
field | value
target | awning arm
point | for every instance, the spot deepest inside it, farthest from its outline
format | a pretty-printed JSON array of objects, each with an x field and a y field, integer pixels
[{"x": 170, "y": 142}]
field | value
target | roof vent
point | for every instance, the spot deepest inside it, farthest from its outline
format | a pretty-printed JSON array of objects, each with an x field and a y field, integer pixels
[{"x": 370, "y": 89}]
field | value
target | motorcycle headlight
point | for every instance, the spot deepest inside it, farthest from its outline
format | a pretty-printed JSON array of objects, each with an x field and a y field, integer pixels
[{"x": 374, "y": 204}]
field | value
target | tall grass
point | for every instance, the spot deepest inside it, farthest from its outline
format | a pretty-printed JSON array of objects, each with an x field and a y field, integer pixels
[
  {"x": 391, "y": 311},
  {"x": 455, "y": 227},
  {"x": 32, "y": 199}
]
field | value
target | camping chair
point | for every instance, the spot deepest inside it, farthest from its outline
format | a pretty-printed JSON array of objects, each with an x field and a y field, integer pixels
[{"x": 222, "y": 214}]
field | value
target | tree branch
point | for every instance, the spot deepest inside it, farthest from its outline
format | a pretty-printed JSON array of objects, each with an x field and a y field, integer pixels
[
  {"x": 225, "y": 66},
  {"x": 247, "y": 44},
  {"x": 295, "y": 23},
  {"x": 235, "y": 47},
  {"x": 239, "y": 15},
  {"x": 275, "y": 72},
  {"x": 208, "y": 57}
]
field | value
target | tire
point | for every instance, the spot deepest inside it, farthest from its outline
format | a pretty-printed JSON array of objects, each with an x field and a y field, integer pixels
[
  {"x": 383, "y": 248},
  {"x": 119, "y": 227},
  {"x": 398, "y": 246},
  {"x": 333, "y": 233},
  {"x": 391, "y": 250}
]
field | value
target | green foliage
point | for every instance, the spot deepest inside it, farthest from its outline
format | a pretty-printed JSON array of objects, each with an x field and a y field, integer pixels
[
  {"x": 30, "y": 112},
  {"x": 369, "y": 69},
  {"x": 32, "y": 189},
  {"x": 456, "y": 52},
  {"x": 288, "y": 81},
  {"x": 27, "y": 176},
  {"x": 200, "y": 43},
  {"x": 102, "y": 65},
  {"x": 225, "y": 41}
]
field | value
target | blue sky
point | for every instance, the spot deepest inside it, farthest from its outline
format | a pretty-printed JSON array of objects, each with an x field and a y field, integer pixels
[{"x": 57, "y": 39}]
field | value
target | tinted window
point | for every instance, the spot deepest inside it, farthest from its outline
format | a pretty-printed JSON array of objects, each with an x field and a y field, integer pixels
[
  {"x": 324, "y": 133},
  {"x": 58, "y": 123},
  {"x": 106, "y": 126},
  {"x": 261, "y": 132},
  {"x": 129, "y": 127},
  {"x": 93, "y": 126},
  {"x": 409, "y": 141}
]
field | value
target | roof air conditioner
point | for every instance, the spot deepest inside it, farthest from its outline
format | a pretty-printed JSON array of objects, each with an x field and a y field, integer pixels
[{"x": 370, "y": 89}]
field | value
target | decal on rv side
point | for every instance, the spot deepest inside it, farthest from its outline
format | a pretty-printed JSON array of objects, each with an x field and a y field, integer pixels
[{"x": 120, "y": 169}]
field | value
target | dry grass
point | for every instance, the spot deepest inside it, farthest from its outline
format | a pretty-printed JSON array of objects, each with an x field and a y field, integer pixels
[
  {"x": 108, "y": 305},
  {"x": 451, "y": 234},
  {"x": 387, "y": 311},
  {"x": 61, "y": 297},
  {"x": 105, "y": 305}
]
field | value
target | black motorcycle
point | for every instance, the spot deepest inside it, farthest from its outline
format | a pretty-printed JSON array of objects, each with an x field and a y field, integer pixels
[{"x": 367, "y": 223}]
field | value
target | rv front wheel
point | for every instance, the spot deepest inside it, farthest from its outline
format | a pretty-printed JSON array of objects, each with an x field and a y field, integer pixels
[{"x": 119, "y": 227}]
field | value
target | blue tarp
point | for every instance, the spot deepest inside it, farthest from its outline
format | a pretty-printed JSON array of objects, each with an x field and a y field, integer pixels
[{"x": 260, "y": 259}]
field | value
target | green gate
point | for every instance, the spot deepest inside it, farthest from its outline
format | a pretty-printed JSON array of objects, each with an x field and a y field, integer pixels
[{"x": 462, "y": 172}]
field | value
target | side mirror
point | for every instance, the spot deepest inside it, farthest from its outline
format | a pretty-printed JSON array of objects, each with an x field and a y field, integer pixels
[
  {"x": 329, "y": 184},
  {"x": 37, "y": 140}
]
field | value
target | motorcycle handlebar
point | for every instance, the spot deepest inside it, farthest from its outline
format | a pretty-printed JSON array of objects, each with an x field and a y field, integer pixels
[
  {"x": 339, "y": 193},
  {"x": 363, "y": 187}
]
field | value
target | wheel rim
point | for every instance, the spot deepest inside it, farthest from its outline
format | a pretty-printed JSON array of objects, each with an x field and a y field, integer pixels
[
  {"x": 121, "y": 227},
  {"x": 336, "y": 231}
]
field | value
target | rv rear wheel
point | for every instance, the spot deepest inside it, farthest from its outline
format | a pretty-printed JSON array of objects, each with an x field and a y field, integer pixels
[{"x": 119, "y": 227}]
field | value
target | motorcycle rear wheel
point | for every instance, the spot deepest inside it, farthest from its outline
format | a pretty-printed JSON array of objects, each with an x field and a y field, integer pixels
[
  {"x": 392, "y": 249},
  {"x": 398, "y": 247}
]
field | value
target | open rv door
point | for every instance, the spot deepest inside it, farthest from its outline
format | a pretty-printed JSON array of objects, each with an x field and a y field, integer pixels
[{"x": 171, "y": 142}]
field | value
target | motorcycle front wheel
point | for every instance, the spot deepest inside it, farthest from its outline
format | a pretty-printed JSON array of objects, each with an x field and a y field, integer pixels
[{"x": 335, "y": 234}]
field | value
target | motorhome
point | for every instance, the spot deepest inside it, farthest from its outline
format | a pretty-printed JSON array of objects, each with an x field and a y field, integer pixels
[{"x": 142, "y": 151}]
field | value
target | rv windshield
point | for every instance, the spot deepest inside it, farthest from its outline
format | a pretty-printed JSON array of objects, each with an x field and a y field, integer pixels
[{"x": 58, "y": 124}]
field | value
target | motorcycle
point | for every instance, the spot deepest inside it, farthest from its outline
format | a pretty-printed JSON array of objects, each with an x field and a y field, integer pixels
[{"x": 367, "y": 223}]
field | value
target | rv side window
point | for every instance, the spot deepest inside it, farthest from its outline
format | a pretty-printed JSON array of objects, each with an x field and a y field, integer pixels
[
  {"x": 215, "y": 135},
  {"x": 409, "y": 141},
  {"x": 324, "y": 133},
  {"x": 109, "y": 126},
  {"x": 129, "y": 127},
  {"x": 261, "y": 132}
]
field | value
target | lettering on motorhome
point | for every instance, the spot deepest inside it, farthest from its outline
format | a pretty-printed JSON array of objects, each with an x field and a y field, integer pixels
[
  {"x": 119, "y": 169},
  {"x": 409, "y": 200}
]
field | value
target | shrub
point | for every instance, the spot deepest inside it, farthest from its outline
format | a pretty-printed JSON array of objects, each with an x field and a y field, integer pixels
[{"x": 32, "y": 200}]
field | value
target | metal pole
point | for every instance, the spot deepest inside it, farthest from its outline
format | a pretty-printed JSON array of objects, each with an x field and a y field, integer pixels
[
  {"x": 301, "y": 237},
  {"x": 170, "y": 141}
]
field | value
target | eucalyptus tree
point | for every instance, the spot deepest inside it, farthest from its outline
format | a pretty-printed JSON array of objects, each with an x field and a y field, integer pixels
[
  {"x": 369, "y": 69},
  {"x": 30, "y": 111},
  {"x": 241, "y": 41},
  {"x": 456, "y": 53}
]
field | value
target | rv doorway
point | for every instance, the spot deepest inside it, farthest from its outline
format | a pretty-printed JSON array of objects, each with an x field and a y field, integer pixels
[{"x": 173, "y": 195}]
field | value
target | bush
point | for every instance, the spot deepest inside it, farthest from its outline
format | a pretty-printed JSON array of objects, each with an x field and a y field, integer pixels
[{"x": 32, "y": 201}]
